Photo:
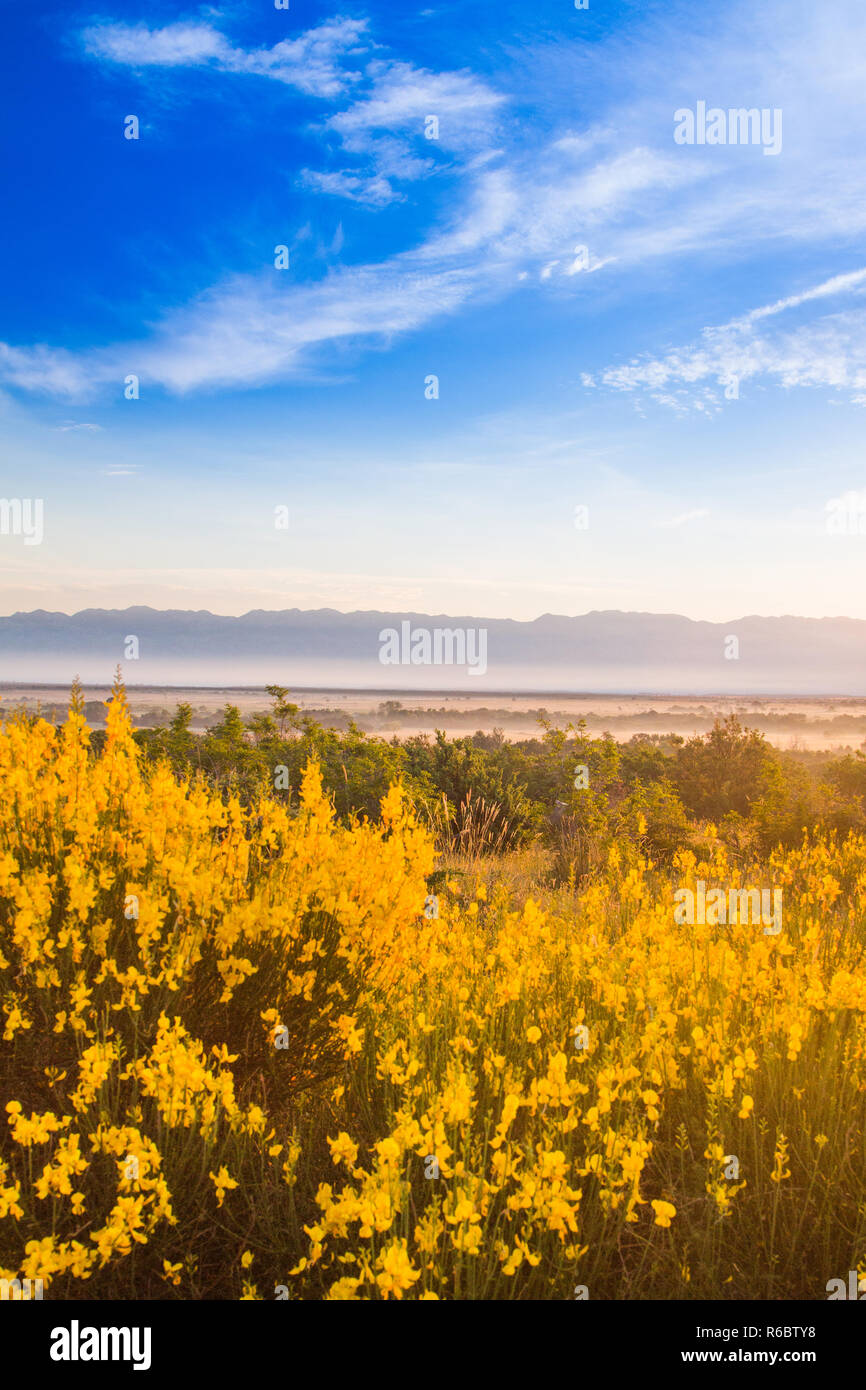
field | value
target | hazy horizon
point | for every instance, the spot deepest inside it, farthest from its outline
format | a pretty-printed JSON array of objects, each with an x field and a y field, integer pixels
[
  {"x": 454, "y": 616},
  {"x": 607, "y": 651}
]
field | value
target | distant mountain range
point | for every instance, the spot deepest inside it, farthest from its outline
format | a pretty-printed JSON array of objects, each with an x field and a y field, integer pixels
[{"x": 594, "y": 653}]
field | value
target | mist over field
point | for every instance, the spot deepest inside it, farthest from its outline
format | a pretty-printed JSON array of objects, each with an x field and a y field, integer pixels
[{"x": 802, "y": 723}]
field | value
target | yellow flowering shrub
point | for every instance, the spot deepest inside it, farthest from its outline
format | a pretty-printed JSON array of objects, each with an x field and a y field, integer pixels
[{"x": 231, "y": 1042}]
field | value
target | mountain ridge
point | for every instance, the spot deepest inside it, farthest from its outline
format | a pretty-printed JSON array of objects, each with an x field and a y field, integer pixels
[{"x": 603, "y": 649}]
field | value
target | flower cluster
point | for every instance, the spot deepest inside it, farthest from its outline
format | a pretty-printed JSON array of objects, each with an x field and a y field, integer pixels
[{"x": 240, "y": 1057}]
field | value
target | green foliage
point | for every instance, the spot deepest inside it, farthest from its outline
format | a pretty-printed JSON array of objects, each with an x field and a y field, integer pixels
[
  {"x": 484, "y": 794},
  {"x": 722, "y": 771}
]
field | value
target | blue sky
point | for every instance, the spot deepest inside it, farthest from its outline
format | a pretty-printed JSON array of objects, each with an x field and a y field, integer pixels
[{"x": 585, "y": 288}]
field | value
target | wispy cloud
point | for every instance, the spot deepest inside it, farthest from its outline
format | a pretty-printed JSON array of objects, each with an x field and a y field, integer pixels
[
  {"x": 374, "y": 191},
  {"x": 247, "y": 333},
  {"x": 403, "y": 96},
  {"x": 313, "y": 62},
  {"x": 406, "y": 123},
  {"x": 837, "y": 285},
  {"x": 829, "y": 351}
]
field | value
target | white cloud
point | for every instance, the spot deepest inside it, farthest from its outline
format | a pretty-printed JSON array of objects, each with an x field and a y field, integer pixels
[
  {"x": 409, "y": 123},
  {"x": 312, "y": 62},
  {"x": 827, "y": 352},
  {"x": 177, "y": 45},
  {"x": 246, "y": 333},
  {"x": 374, "y": 191},
  {"x": 559, "y": 209},
  {"x": 402, "y": 98},
  {"x": 837, "y": 285},
  {"x": 492, "y": 207},
  {"x": 53, "y": 371}
]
